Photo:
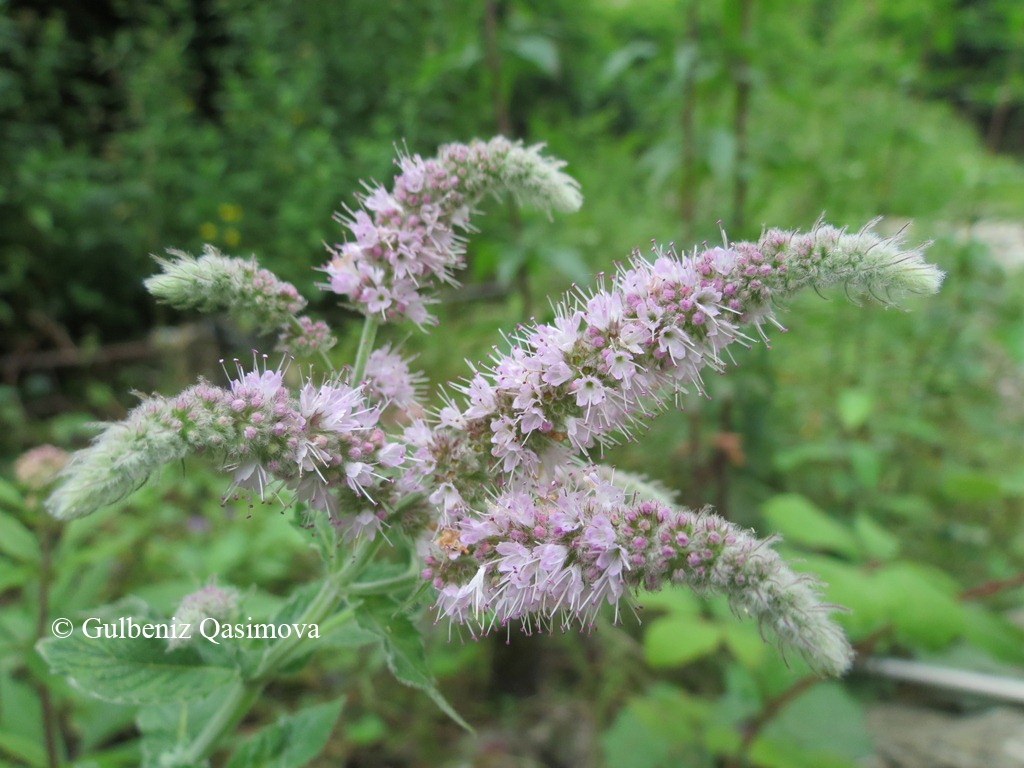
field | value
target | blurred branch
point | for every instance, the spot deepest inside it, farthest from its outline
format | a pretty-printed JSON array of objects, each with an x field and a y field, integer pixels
[
  {"x": 989, "y": 588},
  {"x": 73, "y": 357}
]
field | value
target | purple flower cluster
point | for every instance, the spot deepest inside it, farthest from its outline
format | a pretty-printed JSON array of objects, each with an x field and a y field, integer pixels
[
  {"x": 607, "y": 360},
  {"x": 305, "y": 337},
  {"x": 618, "y": 355},
  {"x": 325, "y": 444},
  {"x": 325, "y": 441},
  {"x": 554, "y": 557},
  {"x": 411, "y": 238},
  {"x": 389, "y": 380}
]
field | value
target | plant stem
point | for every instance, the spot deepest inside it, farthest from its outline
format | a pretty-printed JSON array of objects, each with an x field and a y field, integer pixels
[
  {"x": 366, "y": 340},
  {"x": 245, "y": 692},
  {"x": 243, "y": 695},
  {"x": 49, "y": 532}
]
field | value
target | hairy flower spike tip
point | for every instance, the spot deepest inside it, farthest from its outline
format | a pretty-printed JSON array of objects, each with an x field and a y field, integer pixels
[
  {"x": 215, "y": 282},
  {"x": 210, "y": 602},
  {"x": 120, "y": 460},
  {"x": 553, "y": 557},
  {"x": 405, "y": 241}
]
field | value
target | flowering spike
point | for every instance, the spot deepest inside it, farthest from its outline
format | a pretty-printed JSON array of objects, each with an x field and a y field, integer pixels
[
  {"x": 324, "y": 444},
  {"x": 215, "y": 282},
  {"x": 626, "y": 350},
  {"x": 406, "y": 240},
  {"x": 555, "y": 556}
]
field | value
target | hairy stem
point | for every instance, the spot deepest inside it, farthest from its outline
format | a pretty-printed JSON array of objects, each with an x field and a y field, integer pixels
[{"x": 245, "y": 692}]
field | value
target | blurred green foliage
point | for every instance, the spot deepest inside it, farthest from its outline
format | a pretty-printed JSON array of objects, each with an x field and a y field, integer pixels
[{"x": 883, "y": 445}]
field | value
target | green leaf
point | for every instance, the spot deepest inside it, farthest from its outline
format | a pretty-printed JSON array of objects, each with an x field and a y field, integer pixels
[
  {"x": 169, "y": 727},
  {"x": 17, "y": 541},
  {"x": 922, "y": 604},
  {"x": 877, "y": 542},
  {"x": 673, "y": 641},
  {"x": 744, "y": 642},
  {"x": 972, "y": 487},
  {"x": 366, "y": 730},
  {"x": 292, "y": 741},
  {"x": 823, "y": 727},
  {"x": 866, "y": 463},
  {"x": 11, "y": 576},
  {"x": 10, "y": 496},
  {"x": 621, "y": 59},
  {"x": 851, "y": 588},
  {"x": 21, "y": 748},
  {"x": 127, "y": 671},
  {"x": 21, "y": 712},
  {"x": 801, "y": 522},
  {"x": 403, "y": 649},
  {"x": 854, "y": 407},
  {"x": 676, "y": 600},
  {"x": 788, "y": 459},
  {"x": 539, "y": 51},
  {"x": 655, "y": 730},
  {"x": 994, "y": 634}
]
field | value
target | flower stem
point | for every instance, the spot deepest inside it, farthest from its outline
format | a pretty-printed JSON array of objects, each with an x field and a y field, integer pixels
[
  {"x": 245, "y": 692},
  {"x": 365, "y": 348}
]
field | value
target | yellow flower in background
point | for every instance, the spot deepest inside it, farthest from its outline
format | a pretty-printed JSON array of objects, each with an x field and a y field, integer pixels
[
  {"x": 208, "y": 230},
  {"x": 229, "y": 212},
  {"x": 232, "y": 236}
]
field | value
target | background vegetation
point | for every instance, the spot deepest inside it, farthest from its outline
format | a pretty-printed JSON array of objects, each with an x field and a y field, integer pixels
[{"x": 884, "y": 446}]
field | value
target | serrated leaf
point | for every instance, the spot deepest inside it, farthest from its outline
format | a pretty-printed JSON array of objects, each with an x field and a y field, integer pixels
[
  {"x": 673, "y": 641},
  {"x": 169, "y": 727},
  {"x": 292, "y": 741},
  {"x": 801, "y": 522},
  {"x": 126, "y": 671},
  {"x": 17, "y": 541},
  {"x": 854, "y": 407},
  {"x": 403, "y": 650}
]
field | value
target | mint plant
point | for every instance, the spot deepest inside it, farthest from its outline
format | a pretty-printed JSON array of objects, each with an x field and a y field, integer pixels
[{"x": 490, "y": 511}]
